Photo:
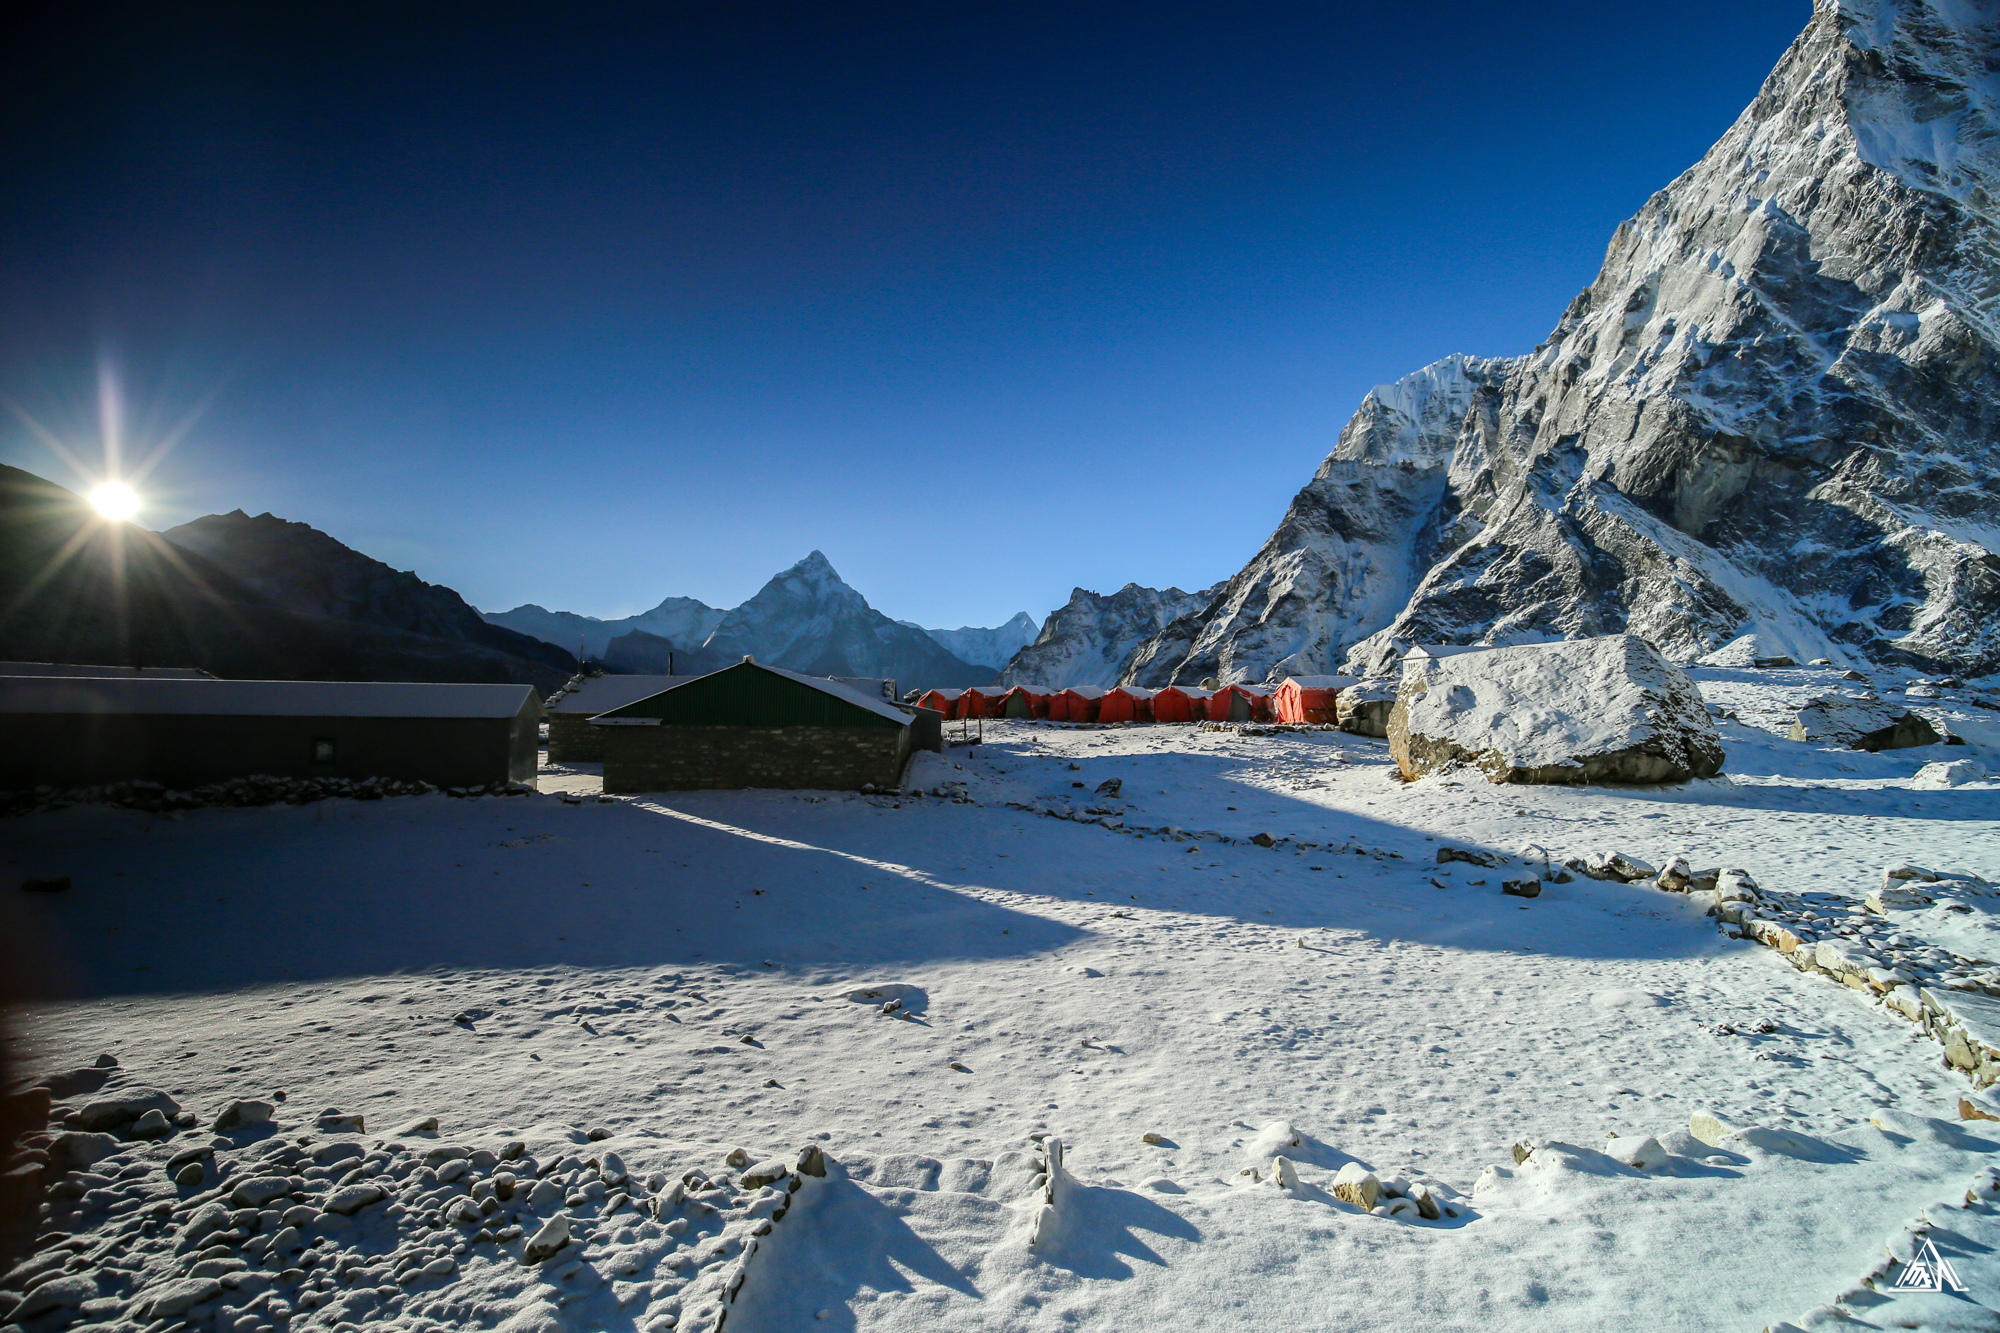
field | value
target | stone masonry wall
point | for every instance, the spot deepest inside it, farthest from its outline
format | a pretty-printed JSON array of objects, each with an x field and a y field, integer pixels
[
  {"x": 572, "y": 740},
  {"x": 687, "y": 758}
]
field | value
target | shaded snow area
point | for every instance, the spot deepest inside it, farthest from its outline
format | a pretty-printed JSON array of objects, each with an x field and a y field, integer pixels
[{"x": 1078, "y": 1048}]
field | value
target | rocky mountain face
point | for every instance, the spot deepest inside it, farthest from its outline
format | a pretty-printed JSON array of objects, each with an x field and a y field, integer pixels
[
  {"x": 1772, "y": 413},
  {"x": 236, "y": 596},
  {"x": 1090, "y": 639},
  {"x": 679, "y": 620},
  {"x": 806, "y": 619},
  {"x": 985, "y": 647}
]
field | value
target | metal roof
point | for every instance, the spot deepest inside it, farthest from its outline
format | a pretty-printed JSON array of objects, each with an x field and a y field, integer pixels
[
  {"x": 74, "y": 671},
  {"x": 601, "y": 694},
  {"x": 848, "y": 694},
  {"x": 257, "y": 698}
]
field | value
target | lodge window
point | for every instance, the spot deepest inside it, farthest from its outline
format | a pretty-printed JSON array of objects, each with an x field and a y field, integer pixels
[{"x": 323, "y": 751}]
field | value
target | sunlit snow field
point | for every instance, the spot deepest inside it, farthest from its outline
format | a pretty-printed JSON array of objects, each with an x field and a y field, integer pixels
[{"x": 674, "y": 970}]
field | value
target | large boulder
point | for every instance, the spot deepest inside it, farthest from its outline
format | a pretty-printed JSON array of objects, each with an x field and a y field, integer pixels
[
  {"x": 1861, "y": 722},
  {"x": 1585, "y": 710},
  {"x": 1364, "y": 709}
]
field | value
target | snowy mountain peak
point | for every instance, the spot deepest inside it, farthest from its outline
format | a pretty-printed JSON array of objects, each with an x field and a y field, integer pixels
[
  {"x": 1769, "y": 414},
  {"x": 1414, "y": 422}
]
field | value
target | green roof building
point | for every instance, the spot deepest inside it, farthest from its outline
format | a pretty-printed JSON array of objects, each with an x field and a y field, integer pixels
[{"x": 752, "y": 725}]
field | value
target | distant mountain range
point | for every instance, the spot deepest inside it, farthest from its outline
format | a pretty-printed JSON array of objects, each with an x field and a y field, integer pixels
[
  {"x": 1091, "y": 639},
  {"x": 805, "y": 619},
  {"x": 985, "y": 647},
  {"x": 237, "y": 596}
]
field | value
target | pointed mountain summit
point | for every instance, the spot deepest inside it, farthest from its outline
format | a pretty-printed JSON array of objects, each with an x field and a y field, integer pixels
[
  {"x": 807, "y": 619},
  {"x": 1771, "y": 413}
]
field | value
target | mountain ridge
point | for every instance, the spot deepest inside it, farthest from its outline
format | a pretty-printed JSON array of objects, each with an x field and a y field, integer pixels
[{"x": 1767, "y": 414}]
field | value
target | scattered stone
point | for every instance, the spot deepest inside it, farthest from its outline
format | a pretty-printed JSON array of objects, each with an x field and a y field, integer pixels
[
  {"x": 351, "y": 1199},
  {"x": 1640, "y": 1152},
  {"x": 547, "y": 1242},
  {"x": 171, "y": 1299},
  {"x": 72, "y": 1149},
  {"x": 1978, "y": 1106},
  {"x": 545, "y": 1195},
  {"x": 1618, "y": 866},
  {"x": 1283, "y": 1174},
  {"x": 63, "y": 1293},
  {"x": 1111, "y": 787},
  {"x": 333, "y": 1120},
  {"x": 1861, "y": 722},
  {"x": 259, "y": 1190},
  {"x": 1150, "y": 1137},
  {"x": 812, "y": 1162},
  {"x": 1940, "y": 777},
  {"x": 599, "y": 1134},
  {"x": 1446, "y": 855},
  {"x": 242, "y": 1115},
  {"x": 191, "y": 1175},
  {"x": 737, "y": 1158},
  {"x": 1708, "y": 1129},
  {"x": 428, "y": 1125},
  {"x": 1263, "y": 840},
  {"x": 765, "y": 1173},
  {"x": 124, "y": 1108},
  {"x": 1675, "y": 876},
  {"x": 1522, "y": 888},
  {"x": 1357, "y": 1185},
  {"x": 152, "y": 1125}
]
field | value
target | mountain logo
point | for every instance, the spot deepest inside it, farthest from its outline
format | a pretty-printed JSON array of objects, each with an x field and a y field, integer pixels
[{"x": 1927, "y": 1271}]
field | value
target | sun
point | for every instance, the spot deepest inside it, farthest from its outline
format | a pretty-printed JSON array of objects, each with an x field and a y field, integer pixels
[{"x": 115, "y": 500}]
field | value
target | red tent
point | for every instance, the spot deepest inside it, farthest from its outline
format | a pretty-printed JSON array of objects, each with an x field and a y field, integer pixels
[
  {"x": 1310, "y": 698},
  {"x": 1180, "y": 703},
  {"x": 1080, "y": 702},
  {"x": 1240, "y": 703},
  {"x": 944, "y": 701},
  {"x": 980, "y": 701},
  {"x": 1024, "y": 702},
  {"x": 1126, "y": 703}
]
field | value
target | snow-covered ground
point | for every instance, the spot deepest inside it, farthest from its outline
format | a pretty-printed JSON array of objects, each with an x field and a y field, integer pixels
[{"x": 689, "y": 974}]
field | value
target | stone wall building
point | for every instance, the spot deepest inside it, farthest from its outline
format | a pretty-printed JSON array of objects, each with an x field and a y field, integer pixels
[{"x": 752, "y": 725}]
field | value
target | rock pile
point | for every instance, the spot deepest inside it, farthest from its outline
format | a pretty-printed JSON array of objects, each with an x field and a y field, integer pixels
[
  {"x": 267, "y": 1227},
  {"x": 254, "y": 790},
  {"x": 1953, "y": 997}
]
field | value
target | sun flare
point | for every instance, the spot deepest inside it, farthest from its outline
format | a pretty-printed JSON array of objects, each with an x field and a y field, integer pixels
[{"x": 115, "y": 500}]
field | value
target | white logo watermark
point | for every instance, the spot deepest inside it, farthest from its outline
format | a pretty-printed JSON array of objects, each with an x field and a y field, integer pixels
[{"x": 1927, "y": 1271}]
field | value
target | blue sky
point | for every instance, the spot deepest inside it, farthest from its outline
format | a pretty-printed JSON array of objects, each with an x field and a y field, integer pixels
[{"x": 590, "y": 311}]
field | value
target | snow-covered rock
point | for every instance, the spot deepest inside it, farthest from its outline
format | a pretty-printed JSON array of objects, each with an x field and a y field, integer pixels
[
  {"x": 1090, "y": 639},
  {"x": 1768, "y": 416},
  {"x": 1364, "y": 709},
  {"x": 1591, "y": 710},
  {"x": 1861, "y": 722},
  {"x": 1938, "y": 777}
]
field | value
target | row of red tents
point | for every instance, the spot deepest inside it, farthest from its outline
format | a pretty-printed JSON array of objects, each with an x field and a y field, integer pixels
[{"x": 1298, "y": 699}]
